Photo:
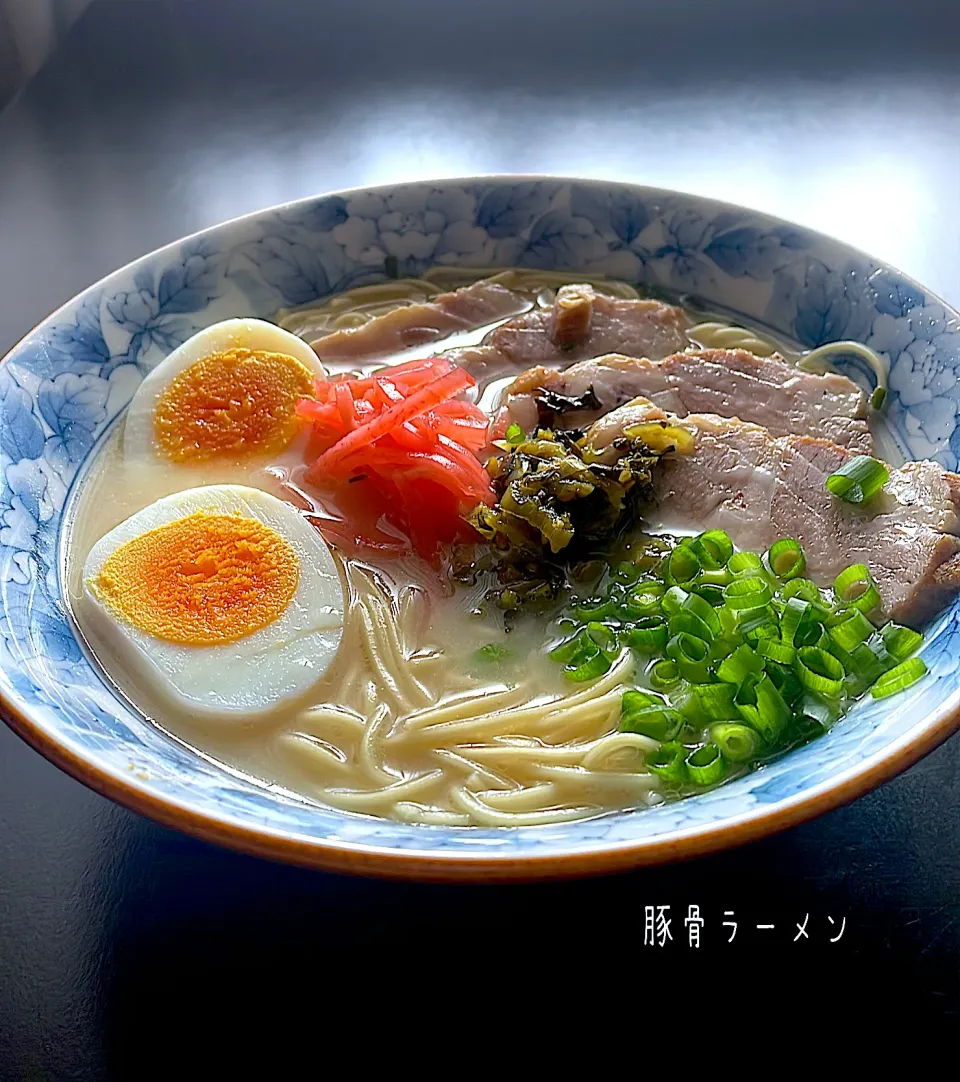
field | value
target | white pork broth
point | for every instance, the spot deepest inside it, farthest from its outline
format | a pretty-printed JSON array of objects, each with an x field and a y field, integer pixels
[{"x": 437, "y": 708}]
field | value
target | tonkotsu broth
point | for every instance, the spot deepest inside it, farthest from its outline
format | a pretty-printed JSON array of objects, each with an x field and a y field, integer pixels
[{"x": 405, "y": 723}]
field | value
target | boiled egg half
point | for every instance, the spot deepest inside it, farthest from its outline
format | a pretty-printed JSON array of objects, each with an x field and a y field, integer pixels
[
  {"x": 223, "y": 598},
  {"x": 228, "y": 393}
]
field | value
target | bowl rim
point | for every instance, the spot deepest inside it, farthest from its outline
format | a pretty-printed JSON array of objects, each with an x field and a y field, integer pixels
[{"x": 443, "y": 866}]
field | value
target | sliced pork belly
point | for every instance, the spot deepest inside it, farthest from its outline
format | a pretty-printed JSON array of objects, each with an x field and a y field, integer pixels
[
  {"x": 759, "y": 488},
  {"x": 730, "y": 382},
  {"x": 583, "y": 323},
  {"x": 416, "y": 324}
]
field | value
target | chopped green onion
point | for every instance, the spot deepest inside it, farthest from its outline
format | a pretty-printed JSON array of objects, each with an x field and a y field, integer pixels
[
  {"x": 852, "y": 629},
  {"x": 780, "y": 652},
  {"x": 786, "y": 682},
  {"x": 804, "y": 589},
  {"x": 729, "y": 622},
  {"x": 685, "y": 620},
  {"x": 748, "y": 593},
  {"x": 588, "y": 670},
  {"x": 664, "y": 674},
  {"x": 760, "y": 623},
  {"x": 791, "y": 618},
  {"x": 820, "y": 710},
  {"x": 819, "y": 671},
  {"x": 714, "y": 701},
  {"x": 772, "y": 710},
  {"x": 635, "y": 700},
  {"x": 657, "y": 722},
  {"x": 673, "y": 600},
  {"x": 737, "y": 743},
  {"x": 855, "y": 587},
  {"x": 900, "y": 641},
  {"x": 744, "y": 563},
  {"x": 648, "y": 634},
  {"x": 713, "y": 548},
  {"x": 902, "y": 676},
  {"x": 668, "y": 762},
  {"x": 761, "y": 705},
  {"x": 739, "y": 665},
  {"x": 878, "y": 398},
  {"x": 721, "y": 649},
  {"x": 786, "y": 559},
  {"x": 605, "y": 638},
  {"x": 705, "y": 612},
  {"x": 690, "y": 654},
  {"x": 712, "y": 594},
  {"x": 491, "y": 653},
  {"x": 865, "y": 666},
  {"x": 571, "y": 648},
  {"x": 514, "y": 434},
  {"x": 683, "y": 564},
  {"x": 595, "y": 608},
  {"x": 858, "y": 479},
  {"x": 642, "y": 599},
  {"x": 705, "y": 766}
]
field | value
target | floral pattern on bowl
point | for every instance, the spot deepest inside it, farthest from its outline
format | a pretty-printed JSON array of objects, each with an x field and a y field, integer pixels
[{"x": 64, "y": 385}]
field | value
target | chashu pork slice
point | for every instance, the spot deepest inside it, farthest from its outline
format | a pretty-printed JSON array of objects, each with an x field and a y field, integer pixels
[
  {"x": 759, "y": 488},
  {"x": 416, "y": 324},
  {"x": 731, "y": 382},
  {"x": 583, "y": 323}
]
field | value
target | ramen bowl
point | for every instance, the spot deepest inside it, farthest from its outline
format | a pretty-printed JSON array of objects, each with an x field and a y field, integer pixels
[{"x": 66, "y": 385}]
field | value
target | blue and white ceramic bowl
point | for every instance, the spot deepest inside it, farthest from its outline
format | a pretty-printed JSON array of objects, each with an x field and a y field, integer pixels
[{"x": 67, "y": 382}]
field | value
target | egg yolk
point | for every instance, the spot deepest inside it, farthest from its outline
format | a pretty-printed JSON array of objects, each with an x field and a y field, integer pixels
[
  {"x": 232, "y": 403},
  {"x": 202, "y": 580}
]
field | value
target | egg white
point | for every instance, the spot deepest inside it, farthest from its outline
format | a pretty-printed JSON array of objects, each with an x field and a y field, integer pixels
[
  {"x": 244, "y": 678},
  {"x": 254, "y": 334}
]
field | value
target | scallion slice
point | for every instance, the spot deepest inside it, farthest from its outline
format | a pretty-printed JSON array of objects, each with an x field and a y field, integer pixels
[
  {"x": 786, "y": 559},
  {"x": 735, "y": 668},
  {"x": 757, "y": 624},
  {"x": 704, "y": 611},
  {"x": 744, "y": 563},
  {"x": 605, "y": 638},
  {"x": 710, "y": 592},
  {"x": 900, "y": 641},
  {"x": 595, "y": 608},
  {"x": 901, "y": 676},
  {"x": 648, "y": 635},
  {"x": 805, "y": 589},
  {"x": 514, "y": 435},
  {"x": 714, "y": 701},
  {"x": 852, "y": 629},
  {"x": 664, "y": 674},
  {"x": 642, "y": 599},
  {"x": 713, "y": 548},
  {"x": 705, "y": 766},
  {"x": 855, "y": 588},
  {"x": 819, "y": 671},
  {"x": 685, "y": 620},
  {"x": 590, "y": 669},
  {"x": 690, "y": 654},
  {"x": 751, "y": 592},
  {"x": 668, "y": 762},
  {"x": 780, "y": 652},
  {"x": 737, "y": 743},
  {"x": 491, "y": 653},
  {"x": 858, "y": 479},
  {"x": 683, "y": 564},
  {"x": 672, "y": 601}
]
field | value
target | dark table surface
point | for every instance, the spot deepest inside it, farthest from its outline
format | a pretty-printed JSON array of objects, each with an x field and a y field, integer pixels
[{"x": 122, "y": 942}]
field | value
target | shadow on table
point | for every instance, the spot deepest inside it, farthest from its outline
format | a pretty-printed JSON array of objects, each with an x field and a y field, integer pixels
[{"x": 211, "y": 947}]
